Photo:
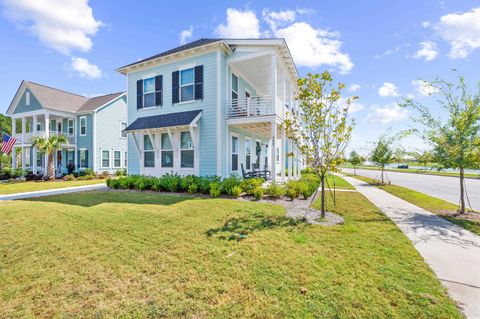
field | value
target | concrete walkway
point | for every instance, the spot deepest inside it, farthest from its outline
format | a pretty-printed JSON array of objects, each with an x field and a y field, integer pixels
[
  {"x": 49, "y": 192},
  {"x": 452, "y": 252}
]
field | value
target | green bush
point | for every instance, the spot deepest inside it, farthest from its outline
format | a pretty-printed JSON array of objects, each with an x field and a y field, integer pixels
[
  {"x": 249, "y": 185},
  {"x": 170, "y": 182},
  {"x": 215, "y": 189},
  {"x": 103, "y": 175},
  {"x": 88, "y": 171},
  {"x": 121, "y": 172},
  {"x": 291, "y": 193},
  {"x": 193, "y": 188},
  {"x": 236, "y": 191},
  {"x": 187, "y": 182},
  {"x": 275, "y": 191},
  {"x": 305, "y": 189},
  {"x": 69, "y": 177},
  {"x": 257, "y": 193},
  {"x": 230, "y": 183},
  {"x": 18, "y": 172},
  {"x": 144, "y": 183}
]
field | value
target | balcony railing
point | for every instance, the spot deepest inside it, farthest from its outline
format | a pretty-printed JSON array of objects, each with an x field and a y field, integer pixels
[
  {"x": 252, "y": 106},
  {"x": 27, "y": 137}
]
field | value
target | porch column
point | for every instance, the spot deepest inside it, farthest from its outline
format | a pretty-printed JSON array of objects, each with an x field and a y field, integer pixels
[
  {"x": 75, "y": 157},
  {"x": 34, "y": 149},
  {"x": 282, "y": 156},
  {"x": 273, "y": 149},
  {"x": 14, "y": 156},
  {"x": 289, "y": 159},
  {"x": 47, "y": 125},
  {"x": 284, "y": 89},
  {"x": 274, "y": 83},
  {"x": 24, "y": 165},
  {"x": 24, "y": 128}
]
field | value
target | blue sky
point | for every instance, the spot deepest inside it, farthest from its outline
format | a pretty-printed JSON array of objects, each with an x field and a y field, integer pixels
[{"x": 378, "y": 48}]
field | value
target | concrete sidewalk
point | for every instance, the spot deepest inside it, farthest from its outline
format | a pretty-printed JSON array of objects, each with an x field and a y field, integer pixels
[
  {"x": 49, "y": 192},
  {"x": 452, "y": 252}
]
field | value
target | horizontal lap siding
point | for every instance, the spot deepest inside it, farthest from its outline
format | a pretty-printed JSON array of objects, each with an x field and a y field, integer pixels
[
  {"x": 86, "y": 142},
  {"x": 108, "y": 132},
  {"x": 207, "y": 123},
  {"x": 22, "y": 106}
]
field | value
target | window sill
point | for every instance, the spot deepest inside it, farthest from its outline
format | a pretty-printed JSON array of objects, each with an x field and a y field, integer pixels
[
  {"x": 148, "y": 108},
  {"x": 186, "y": 102}
]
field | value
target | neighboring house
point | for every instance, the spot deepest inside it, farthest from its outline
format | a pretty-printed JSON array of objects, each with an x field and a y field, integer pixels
[
  {"x": 93, "y": 127},
  {"x": 212, "y": 106}
]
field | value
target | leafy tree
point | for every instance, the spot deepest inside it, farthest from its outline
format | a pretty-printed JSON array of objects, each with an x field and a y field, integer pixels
[
  {"x": 383, "y": 153},
  {"x": 49, "y": 146},
  {"x": 321, "y": 130},
  {"x": 424, "y": 157},
  {"x": 456, "y": 140},
  {"x": 355, "y": 159},
  {"x": 5, "y": 126}
]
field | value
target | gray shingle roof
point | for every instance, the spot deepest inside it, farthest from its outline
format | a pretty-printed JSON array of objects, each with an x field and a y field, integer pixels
[
  {"x": 191, "y": 45},
  {"x": 55, "y": 99},
  {"x": 164, "y": 120}
]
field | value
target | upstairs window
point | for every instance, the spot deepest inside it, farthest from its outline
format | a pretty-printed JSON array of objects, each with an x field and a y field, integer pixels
[
  {"x": 150, "y": 92},
  {"x": 186, "y": 85},
  {"x": 83, "y": 125},
  {"x": 123, "y": 126},
  {"x": 70, "y": 127}
]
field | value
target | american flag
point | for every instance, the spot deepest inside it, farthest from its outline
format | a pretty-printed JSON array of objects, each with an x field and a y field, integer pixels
[{"x": 8, "y": 142}]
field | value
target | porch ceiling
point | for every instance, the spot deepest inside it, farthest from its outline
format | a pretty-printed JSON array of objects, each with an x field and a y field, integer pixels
[
  {"x": 257, "y": 71},
  {"x": 261, "y": 128}
]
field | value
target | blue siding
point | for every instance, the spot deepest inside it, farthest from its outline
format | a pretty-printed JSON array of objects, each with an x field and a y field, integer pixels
[
  {"x": 86, "y": 141},
  {"x": 22, "y": 104}
]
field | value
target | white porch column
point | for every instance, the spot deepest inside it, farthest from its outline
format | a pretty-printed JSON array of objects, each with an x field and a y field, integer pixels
[
  {"x": 14, "y": 126},
  {"x": 284, "y": 92},
  {"x": 14, "y": 156},
  {"x": 282, "y": 156},
  {"x": 24, "y": 166},
  {"x": 289, "y": 160},
  {"x": 24, "y": 128},
  {"x": 273, "y": 157},
  {"x": 274, "y": 82},
  {"x": 75, "y": 157},
  {"x": 34, "y": 149},
  {"x": 47, "y": 135}
]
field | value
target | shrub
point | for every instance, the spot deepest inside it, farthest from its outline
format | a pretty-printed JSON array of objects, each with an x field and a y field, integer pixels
[
  {"x": 306, "y": 189},
  {"x": 170, "y": 182},
  {"x": 104, "y": 175},
  {"x": 275, "y": 190},
  {"x": 215, "y": 189},
  {"x": 236, "y": 191},
  {"x": 89, "y": 171},
  {"x": 144, "y": 183},
  {"x": 193, "y": 188},
  {"x": 69, "y": 177},
  {"x": 128, "y": 182},
  {"x": 230, "y": 183},
  {"x": 257, "y": 193},
  {"x": 121, "y": 172},
  {"x": 249, "y": 185},
  {"x": 18, "y": 172},
  {"x": 189, "y": 182},
  {"x": 291, "y": 193}
]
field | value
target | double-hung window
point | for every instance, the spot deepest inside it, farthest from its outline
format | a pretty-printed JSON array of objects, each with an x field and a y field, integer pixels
[
  {"x": 83, "y": 125},
  {"x": 70, "y": 127},
  {"x": 248, "y": 152},
  {"x": 117, "y": 159},
  {"x": 39, "y": 126},
  {"x": 149, "y": 92},
  {"x": 186, "y": 150},
  {"x": 167, "y": 151},
  {"x": 234, "y": 87},
  {"x": 123, "y": 127},
  {"x": 187, "y": 85},
  {"x": 105, "y": 158},
  {"x": 70, "y": 157},
  {"x": 234, "y": 146},
  {"x": 148, "y": 152}
]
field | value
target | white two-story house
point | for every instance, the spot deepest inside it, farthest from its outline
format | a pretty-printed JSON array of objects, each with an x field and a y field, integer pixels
[{"x": 213, "y": 107}]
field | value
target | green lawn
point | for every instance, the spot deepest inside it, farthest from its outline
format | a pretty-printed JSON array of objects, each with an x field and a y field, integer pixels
[
  {"x": 413, "y": 170},
  {"x": 144, "y": 255},
  {"x": 432, "y": 204},
  {"x": 20, "y": 187},
  {"x": 339, "y": 182}
]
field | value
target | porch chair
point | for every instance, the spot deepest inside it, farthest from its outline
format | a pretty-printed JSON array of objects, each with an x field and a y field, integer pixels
[{"x": 247, "y": 175}]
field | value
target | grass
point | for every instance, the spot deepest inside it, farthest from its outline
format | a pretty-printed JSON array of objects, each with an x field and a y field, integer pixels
[
  {"x": 414, "y": 170},
  {"x": 339, "y": 182},
  {"x": 145, "y": 255},
  {"x": 434, "y": 205},
  {"x": 20, "y": 187}
]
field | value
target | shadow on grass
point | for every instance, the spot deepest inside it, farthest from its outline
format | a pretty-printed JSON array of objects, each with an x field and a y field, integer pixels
[
  {"x": 240, "y": 228},
  {"x": 93, "y": 198}
]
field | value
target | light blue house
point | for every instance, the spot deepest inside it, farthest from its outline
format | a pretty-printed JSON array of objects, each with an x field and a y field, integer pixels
[
  {"x": 211, "y": 107},
  {"x": 93, "y": 127}
]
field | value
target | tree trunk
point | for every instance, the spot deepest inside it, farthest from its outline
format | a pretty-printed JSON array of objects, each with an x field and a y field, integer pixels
[
  {"x": 51, "y": 167},
  {"x": 462, "y": 192},
  {"x": 354, "y": 170},
  {"x": 383, "y": 167},
  {"x": 323, "y": 196}
]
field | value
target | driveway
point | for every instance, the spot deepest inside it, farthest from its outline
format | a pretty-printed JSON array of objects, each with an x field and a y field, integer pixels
[{"x": 444, "y": 187}]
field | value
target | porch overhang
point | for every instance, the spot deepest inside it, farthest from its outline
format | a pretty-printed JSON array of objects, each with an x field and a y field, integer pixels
[{"x": 165, "y": 122}]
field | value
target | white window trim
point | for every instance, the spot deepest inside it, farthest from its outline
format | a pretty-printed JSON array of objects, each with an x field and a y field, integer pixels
[
  {"x": 180, "y": 85},
  {"x": 186, "y": 149},
  {"x": 248, "y": 138},
  {"x": 167, "y": 150},
  {"x": 149, "y": 92},
  {"x": 80, "y": 158},
  {"x": 109, "y": 158},
  {"x": 80, "y": 126},
  {"x": 120, "y": 166},
  {"x": 121, "y": 129},
  {"x": 238, "y": 151},
  {"x": 72, "y": 127}
]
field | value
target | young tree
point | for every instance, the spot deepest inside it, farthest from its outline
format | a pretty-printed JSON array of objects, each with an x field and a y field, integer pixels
[
  {"x": 355, "y": 159},
  {"x": 456, "y": 140},
  {"x": 49, "y": 146},
  {"x": 383, "y": 153},
  {"x": 321, "y": 130},
  {"x": 423, "y": 157}
]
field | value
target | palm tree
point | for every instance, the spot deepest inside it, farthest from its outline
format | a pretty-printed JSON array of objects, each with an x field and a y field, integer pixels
[{"x": 49, "y": 146}]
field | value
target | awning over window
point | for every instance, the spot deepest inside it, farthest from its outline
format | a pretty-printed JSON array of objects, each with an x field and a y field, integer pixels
[{"x": 164, "y": 121}]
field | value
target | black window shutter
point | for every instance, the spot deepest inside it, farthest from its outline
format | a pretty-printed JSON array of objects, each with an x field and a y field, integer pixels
[
  {"x": 139, "y": 94},
  {"x": 78, "y": 159},
  {"x": 159, "y": 90},
  {"x": 199, "y": 82},
  {"x": 175, "y": 87},
  {"x": 86, "y": 158}
]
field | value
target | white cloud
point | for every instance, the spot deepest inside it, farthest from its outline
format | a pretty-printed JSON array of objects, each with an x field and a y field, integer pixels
[
  {"x": 462, "y": 31},
  {"x": 240, "y": 24},
  {"x": 424, "y": 87},
  {"x": 85, "y": 69},
  {"x": 387, "y": 114},
  {"x": 426, "y": 24},
  {"x": 356, "y": 107},
  {"x": 59, "y": 24},
  {"x": 428, "y": 51},
  {"x": 186, "y": 35},
  {"x": 388, "y": 89},
  {"x": 315, "y": 47},
  {"x": 309, "y": 46},
  {"x": 354, "y": 87},
  {"x": 306, "y": 11}
]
